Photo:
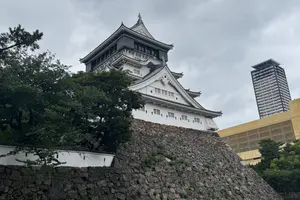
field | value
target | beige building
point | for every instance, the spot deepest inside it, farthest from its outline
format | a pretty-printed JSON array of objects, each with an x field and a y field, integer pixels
[{"x": 244, "y": 138}]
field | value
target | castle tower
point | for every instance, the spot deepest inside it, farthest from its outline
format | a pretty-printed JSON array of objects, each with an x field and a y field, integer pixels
[{"x": 134, "y": 49}]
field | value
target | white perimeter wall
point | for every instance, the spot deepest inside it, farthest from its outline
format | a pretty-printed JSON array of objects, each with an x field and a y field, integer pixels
[
  {"x": 72, "y": 158},
  {"x": 148, "y": 115}
]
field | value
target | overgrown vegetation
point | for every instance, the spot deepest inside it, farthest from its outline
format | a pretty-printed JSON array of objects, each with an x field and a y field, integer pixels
[
  {"x": 43, "y": 105},
  {"x": 280, "y": 165}
]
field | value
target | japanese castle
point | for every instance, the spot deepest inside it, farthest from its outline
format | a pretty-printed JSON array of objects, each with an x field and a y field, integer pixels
[{"x": 166, "y": 101}]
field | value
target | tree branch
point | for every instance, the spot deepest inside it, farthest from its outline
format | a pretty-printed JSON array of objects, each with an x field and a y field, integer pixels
[{"x": 9, "y": 47}]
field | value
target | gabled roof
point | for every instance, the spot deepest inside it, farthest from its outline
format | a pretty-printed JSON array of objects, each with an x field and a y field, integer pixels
[
  {"x": 141, "y": 28},
  {"x": 122, "y": 30},
  {"x": 165, "y": 70}
]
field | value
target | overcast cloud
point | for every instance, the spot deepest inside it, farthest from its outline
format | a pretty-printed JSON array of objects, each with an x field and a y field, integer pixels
[{"x": 215, "y": 41}]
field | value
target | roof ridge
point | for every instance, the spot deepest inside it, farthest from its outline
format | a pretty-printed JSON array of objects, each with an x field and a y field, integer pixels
[{"x": 140, "y": 27}]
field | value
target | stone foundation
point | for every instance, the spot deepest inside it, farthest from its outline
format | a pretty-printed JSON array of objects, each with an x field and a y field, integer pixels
[{"x": 160, "y": 162}]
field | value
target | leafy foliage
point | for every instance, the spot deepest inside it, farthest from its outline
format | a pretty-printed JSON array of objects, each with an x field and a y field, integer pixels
[
  {"x": 269, "y": 150},
  {"x": 104, "y": 107},
  {"x": 280, "y": 167},
  {"x": 17, "y": 39},
  {"x": 43, "y": 105}
]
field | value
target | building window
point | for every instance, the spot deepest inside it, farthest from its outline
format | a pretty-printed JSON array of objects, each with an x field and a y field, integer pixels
[
  {"x": 136, "y": 71},
  {"x": 104, "y": 55},
  {"x": 170, "y": 114},
  {"x": 197, "y": 120},
  {"x": 184, "y": 117},
  {"x": 157, "y": 90},
  {"x": 171, "y": 94},
  {"x": 165, "y": 92},
  {"x": 146, "y": 49},
  {"x": 156, "y": 111}
]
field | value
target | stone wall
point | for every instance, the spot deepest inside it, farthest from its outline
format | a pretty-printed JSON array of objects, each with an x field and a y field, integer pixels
[
  {"x": 21, "y": 183},
  {"x": 160, "y": 162}
]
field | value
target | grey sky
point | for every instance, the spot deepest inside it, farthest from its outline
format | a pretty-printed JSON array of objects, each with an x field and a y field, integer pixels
[{"x": 215, "y": 41}]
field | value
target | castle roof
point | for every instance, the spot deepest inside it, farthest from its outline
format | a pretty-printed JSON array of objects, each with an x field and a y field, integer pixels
[
  {"x": 141, "y": 28},
  {"x": 138, "y": 30}
]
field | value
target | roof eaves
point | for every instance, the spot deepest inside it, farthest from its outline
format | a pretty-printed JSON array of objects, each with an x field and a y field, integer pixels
[
  {"x": 193, "y": 93},
  {"x": 177, "y": 74},
  {"x": 84, "y": 59},
  {"x": 206, "y": 112},
  {"x": 121, "y": 28},
  {"x": 169, "y": 46}
]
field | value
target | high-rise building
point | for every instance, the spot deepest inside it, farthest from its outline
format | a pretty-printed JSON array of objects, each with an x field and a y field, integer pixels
[
  {"x": 271, "y": 88},
  {"x": 135, "y": 50}
]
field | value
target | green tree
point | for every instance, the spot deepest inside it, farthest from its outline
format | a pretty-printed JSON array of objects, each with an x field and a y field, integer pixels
[
  {"x": 18, "y": 38},
  {"x": 269, "y": 150},
  {"x": 43, "y": 105},
  {"x": 283, "y": 169},
  {"x": 106, "y": 105}
]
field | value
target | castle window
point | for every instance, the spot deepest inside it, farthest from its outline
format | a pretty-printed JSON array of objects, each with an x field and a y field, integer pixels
[
  {"x": 164, "y": 92},
  {"x": 184, "y": 117},
  {"x": 136, "y": 71},
  {"x": 171, "y": 94},
  {"x": 146, "y": 49},
  {"x": 156, "y": 111},
  {"x": 170, "y": 114},
  {"x": 197, "y": 120},
  {"x": 157, "y": 90}
]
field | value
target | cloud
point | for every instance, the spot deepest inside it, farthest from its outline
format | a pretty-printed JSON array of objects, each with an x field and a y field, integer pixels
[{"x": 216, "y": 41}]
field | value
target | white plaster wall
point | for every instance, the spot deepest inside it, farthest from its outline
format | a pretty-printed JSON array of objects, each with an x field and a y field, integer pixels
[
  {"x": 72, "y": 158},
  {"x": 150, "y": 90},
  {"x": 143, "y": 70},
  {"x": 148, "y": 115}
]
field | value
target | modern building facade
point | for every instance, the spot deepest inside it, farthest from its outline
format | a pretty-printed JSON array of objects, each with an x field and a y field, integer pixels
[
  {"x": 244, "y": 139},
  {"x": 271, "y": 88},
  {"x": 135, "y": 50}
]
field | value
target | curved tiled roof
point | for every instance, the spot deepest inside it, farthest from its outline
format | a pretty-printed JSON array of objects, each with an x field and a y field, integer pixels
[
  {"x": 125, "y": 29},
  {"x": 141, "y": 28}
]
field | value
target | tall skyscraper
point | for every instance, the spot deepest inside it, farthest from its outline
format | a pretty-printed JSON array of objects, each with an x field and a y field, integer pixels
[{"x": 271, "y": 88}]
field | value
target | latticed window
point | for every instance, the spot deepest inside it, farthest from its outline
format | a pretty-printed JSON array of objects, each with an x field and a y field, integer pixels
[
  {"x": 157, "y": 90},
  {"x": 171, "y": 94},
  {"x": 184, "y": 117},
  {"x": 156, "y": 111},
  {"x": 170, "y": 114},
  {"x": 136, "y": 71},
  {"x": 146, "y": 49},
  {"x": 197, "y": 120}
]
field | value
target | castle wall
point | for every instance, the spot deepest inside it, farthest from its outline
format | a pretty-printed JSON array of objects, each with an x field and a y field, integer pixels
[
  {"x": 160, "y": 162},
  {"x": 68, "y": 157},
  {"x": 148, "y": 114}
]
